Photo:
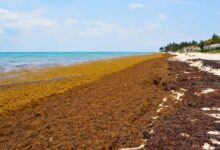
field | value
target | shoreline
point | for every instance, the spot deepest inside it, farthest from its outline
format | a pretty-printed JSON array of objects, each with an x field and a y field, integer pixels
[
  {"x": 160, "y": 103},
  {"x": 110, "y": 113},
  {"x": 20, "y": 94},
  {"x": 32, "y": 70},
  {"x": 72, "y": 63}
]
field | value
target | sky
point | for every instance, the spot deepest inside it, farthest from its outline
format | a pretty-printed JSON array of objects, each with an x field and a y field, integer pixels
[{"x": 104, "y": 25}]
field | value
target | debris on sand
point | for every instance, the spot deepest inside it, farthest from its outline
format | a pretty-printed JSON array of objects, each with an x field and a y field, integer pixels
[
  {"x": 193, "y": 122},
  {"x": 110, "y": 113},
  {"x": 197, "y": 60}
]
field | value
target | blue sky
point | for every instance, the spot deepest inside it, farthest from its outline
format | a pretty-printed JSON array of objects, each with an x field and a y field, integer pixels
[{"x": 104, "y": 25}]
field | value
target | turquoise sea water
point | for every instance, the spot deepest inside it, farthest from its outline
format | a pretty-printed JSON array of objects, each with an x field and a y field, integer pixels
[{"x": 17, "y": 60}]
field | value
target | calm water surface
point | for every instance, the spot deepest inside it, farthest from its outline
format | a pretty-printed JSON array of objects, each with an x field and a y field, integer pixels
[{"x": 17, "y": 60}]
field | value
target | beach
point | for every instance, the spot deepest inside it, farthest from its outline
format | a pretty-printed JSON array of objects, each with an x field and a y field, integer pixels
[
  {"x": 109, "y": 112},
  {"x": 153, "y": 102},
  {"x": 31, "y": 85},
  {"x": 109, "y": 75},
  {"x": 193, "y": 119}
]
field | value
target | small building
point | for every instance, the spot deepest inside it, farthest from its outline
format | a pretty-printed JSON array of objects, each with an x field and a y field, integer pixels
[
  {"x": 212, "y": 46},
  {"x": 192, "y": 48}
]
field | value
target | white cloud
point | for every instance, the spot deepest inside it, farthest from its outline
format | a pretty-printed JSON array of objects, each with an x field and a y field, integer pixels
[
  {"x": 162, "y": 17},
  {"x": 101, "y": 28},
  {"x": 40, "y": 11},
  {"x": 24, "y": 21},
  {"x": 71, "y": 21},
  {"x": 177, "y": 2},
  {"x": 152, "y": 43},
  {"x": 154, "y": 26},
  {"x": 136, "y": 6},
  {"x": 64, "y": 30},
  {"x": 1, "y": 31}
]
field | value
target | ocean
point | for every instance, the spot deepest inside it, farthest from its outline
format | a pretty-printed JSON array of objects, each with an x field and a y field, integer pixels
[{"x": 23, "y": 60}]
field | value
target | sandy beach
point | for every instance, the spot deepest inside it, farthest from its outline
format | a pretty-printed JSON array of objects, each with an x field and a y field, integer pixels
[
  {"x": 193, "y": 121},
  {"x": 153, "y": 102},
  {"x": 109, "y": 75}
]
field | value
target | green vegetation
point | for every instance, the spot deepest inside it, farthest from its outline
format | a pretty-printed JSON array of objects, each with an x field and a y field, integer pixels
[
  {"x": 178, "y": 47},
  {"x": 216, "y": 51},
  {"x": 211, "y": 51},
  {"x": 173, "y": 47},
  {"x": 215, "y": 39}
]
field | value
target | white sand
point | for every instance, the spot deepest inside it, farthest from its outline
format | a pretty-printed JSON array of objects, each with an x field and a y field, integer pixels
[
  {"x": 205, "y": 56},
  {"x": 151, "y": 131},
  {"x": 185, "y": 135},
  {"x": 214, "y": 133},
  {"x": 208, "y": 90},
  {"x": 178, "y": 94},
  {"x": 211, "y": 109},
  {"x": 161, "y": 105},
  {"x": 216, "y": 116},
  {"x": 207, "y": 146},
  {"x": 159, "y": 110},
  {"x": 156, "y": 117},
  {"x": 198, "y": 64},
  {"x": 135, "y": 148},
  {"x": 205, "y": 91},
  {"x": 214, "y": 141}
]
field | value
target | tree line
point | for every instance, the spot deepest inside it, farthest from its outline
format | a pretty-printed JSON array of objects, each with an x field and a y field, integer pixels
[{"x": 173, "y": 47}]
